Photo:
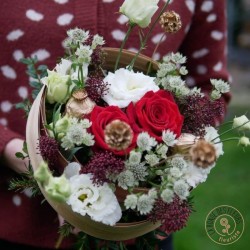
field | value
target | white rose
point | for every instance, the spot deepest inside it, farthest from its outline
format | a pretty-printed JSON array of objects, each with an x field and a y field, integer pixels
[
  {"x": 127, "y": 86},
  {"x": 139, "y": 11},
  {"x": 99, "y": 202}
]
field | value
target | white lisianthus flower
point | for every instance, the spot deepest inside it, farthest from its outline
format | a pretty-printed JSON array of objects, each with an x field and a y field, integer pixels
[
  {"x": 127, "y": 86},
  {"x": 99, "y": 202},
  {"x": 210, "y": 134},
  {"x": 58, "y": 87},
  {"x": 194, "y": 175},
  {"x": 139, "y": 12},
  {"x": 242, "y": 123},
  {"x": 73, "y": 168}
]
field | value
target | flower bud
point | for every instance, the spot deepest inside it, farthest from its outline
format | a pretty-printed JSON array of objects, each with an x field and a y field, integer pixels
[
  {"x": 58, "y": 188},
  {"x": 244, "y": 141},
  {"x": 42, "y": 174},
  {"x": 62, "y": 126}
]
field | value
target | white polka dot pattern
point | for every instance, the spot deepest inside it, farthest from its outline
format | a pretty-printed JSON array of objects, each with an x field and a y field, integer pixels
[
  {"x": 156, "y": 56},
  {"x": 158, "y": 37},
  {"x": 122, "y": 19},
  {"x": 211, "y": 18},
  {"x": 8, "y": 72},
  {"x": 216, "y": 35},
  {"x": 65, "y": 19},
  {"x": 41, "y": 54},
  {"x": 34, "y": 15},
  {"x": 28, "y": 192},
  {"x": 201, "y": 69},
  {"x": 14, "y": 35},
  {"x": 190, "y": 81},
  {"x": 61, "y": 1},
  {"x": 200, "y": 53},
  {"x": 190, "y": 5},
  {"x": 108, "y": 1},
  {"x": 207, "y": 6},
  {"x": 23, "y": 92},
  {"x": 218, "y": 66},
  {"x": 17, "y": 200},
  {"x": 6, "y": 106},
  {"x": 3, "y": 121},
  {"x": 18, "y": 54},
  {"x": 118, "y": 35}
]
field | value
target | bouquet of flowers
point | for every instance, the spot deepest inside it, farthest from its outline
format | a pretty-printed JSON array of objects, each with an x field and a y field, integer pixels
[{"x": 122, "y": 140}]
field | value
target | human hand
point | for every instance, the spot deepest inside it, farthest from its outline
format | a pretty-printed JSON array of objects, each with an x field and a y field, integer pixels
[{"x": 9, "y": 154}]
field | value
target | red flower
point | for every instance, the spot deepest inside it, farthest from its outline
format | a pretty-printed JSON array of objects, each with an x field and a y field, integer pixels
[
  {"x": 100, "y": 118},
  {"x": 154, "y": 113}
]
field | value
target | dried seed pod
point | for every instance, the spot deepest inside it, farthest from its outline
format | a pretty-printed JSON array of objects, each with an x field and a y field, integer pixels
[
  {"x": 118, "y": 135},
  {"x": 203, "y": 154},
  {"x": 170, "y": 21},
  {"x": 79, "y": 104}
]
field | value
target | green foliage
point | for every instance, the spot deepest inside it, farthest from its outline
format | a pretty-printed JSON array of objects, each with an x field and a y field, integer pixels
[
  {"x": 66, "y": 229},
  {"x": 24, "y": 105}
]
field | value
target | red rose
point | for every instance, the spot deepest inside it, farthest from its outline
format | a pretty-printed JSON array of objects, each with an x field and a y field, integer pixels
[
  {"x": 100, "y": 118},
  {"x": 155, "y": 112}
]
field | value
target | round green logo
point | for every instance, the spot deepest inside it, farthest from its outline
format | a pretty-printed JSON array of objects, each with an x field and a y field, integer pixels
[{"x": 224, "y": 225}]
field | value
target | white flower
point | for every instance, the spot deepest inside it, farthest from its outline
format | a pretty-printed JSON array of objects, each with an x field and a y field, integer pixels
[
  {"x": 215, "y": 94},
  {"x": 97, "y": 41},
  {"x": 220, "y": 85},
  {"x": 183, "y": 70},
  {"x": 139, "y": 11},
  {"x": 131, "y": 201},
  {"x": 196, "y": 91},
  {"x": 64, "y": 67},
  {"x": 78, "y": 35},
  {"x": 195, "y": 175},
  {"x": 210, "y": 134},
  {"x": 167, "y": 195},
  {"x": 73, "y": 168},
  {"x": 179, "y": 162},
  {"x": 126, "y": 179},
  {"x": 242, "y": 123},
  {"x": 244, "y": 141},
  {"x": 152, "y": 159},
  {"x": 162, "y": 150},
  {"x": 85, "y": 123},
  {"x": 145, "y": 204},
  {"x": 76, "y": 134},
  {"x": 178, "y": 58},
  {"x": 134, "y": 158},
  {"x": 152, "y": 193},
  {"x": 84, "y": 53},
  {"x": 127, "y": 86},
  {"x": 169, "y": 137},
  {"x": 175, "y": 172},
  {"x": 67, "y": 143},
  {"x": 99, "y": 202},
  {"x": 145, "y": 142},
  {"x": 88, "y": 139},
  {"x": 181, "y": 189},
  {"x": 139, "y": 171}
]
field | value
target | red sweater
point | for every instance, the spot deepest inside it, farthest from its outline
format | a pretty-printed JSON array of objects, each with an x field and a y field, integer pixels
[{"x": 39, "y": 27}]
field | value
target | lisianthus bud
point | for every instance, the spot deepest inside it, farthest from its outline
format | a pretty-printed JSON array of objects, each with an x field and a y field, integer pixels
[
  {"x": 42, "y": 174},
  {"x": 242, "y": 121},
  {"x": 203, "y": 154},
  {"x": 58, "y": 188},
  {"x": 170, "y": 21},
  {"x": 58, "y": 87},
  {"x": 184, "y": 143},
  {"x": 118, "y": 135},
  {"x": 244, "y": 141},
  {"x": 139, "y": 11}
]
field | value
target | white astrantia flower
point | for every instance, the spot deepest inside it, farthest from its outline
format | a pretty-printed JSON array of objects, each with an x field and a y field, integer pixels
[
  {"x": 131, "y": 201},
  {"x": 97, "y": 41},
  {"x": 194, "y": 175},
  {"x": 152, "y": 193},
  {"x": 152, "y": 159},
  {"x": 210, "y": 134},
  {"x": 178, "y": 58},
  {"x": 73, "y": 168},
  {"x": 139, "y": 12},
  {"x": 139, "y": 171},
  {"x": 145, "y": 204},
  {"x": 145, "y": 142},
  {"x": 167, "y": 195},
  {"x": 242, "y": 123},
  {"x": 77, "y": 35},
  {"x": 215, "y": 94},
  {"x": 67, "y": 143},
  {"x": 169, "y": 137},
  {"x": 162, "y": 150},
  {"x": 84, "y": 53},
  {"x": 76, "y": 134},
  {"x": 85, "y": 123},
  {"x": 134, "y": 158},
  {"x": 175, "y": 172},
  {"x": 183, "y": 70},
  {"x": 196, "y": 91},
  {"x": 179, "y": 162},
  {"x": 220, "y": 85},
  {"x": 126, "y": 179},
  {"x": 175, "y": 82},
  {"x": 181, "y": 189},
  {"x": 126, "y": 86},
  {"x": 88, "y": 139},
  {"x": 182, "y": 91},
  {"x": 99, "y": 202}
]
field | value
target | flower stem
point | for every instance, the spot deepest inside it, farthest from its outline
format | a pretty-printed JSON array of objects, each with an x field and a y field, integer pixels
[
  {"x": 130, "y": 28},
  {"x": 143, "y": 43},
  {"x": 228, "y": 139}
]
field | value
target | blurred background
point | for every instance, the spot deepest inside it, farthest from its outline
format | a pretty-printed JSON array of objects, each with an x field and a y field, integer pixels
[{"x": 229, "y": 182}]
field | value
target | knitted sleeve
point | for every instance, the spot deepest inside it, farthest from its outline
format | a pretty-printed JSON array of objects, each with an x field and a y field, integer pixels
[{"x": 206, "y": 45}]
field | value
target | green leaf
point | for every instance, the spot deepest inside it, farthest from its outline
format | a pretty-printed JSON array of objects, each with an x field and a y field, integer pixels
[
  {"x": 19, "y": 155},
  {"x": 72, "y": 152},
  {"x": 25, "y": 148},
  {"x": 25, "y": 60},
  {"x": 42, "y": 67},
  {"x": 35, "y": 84}
]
